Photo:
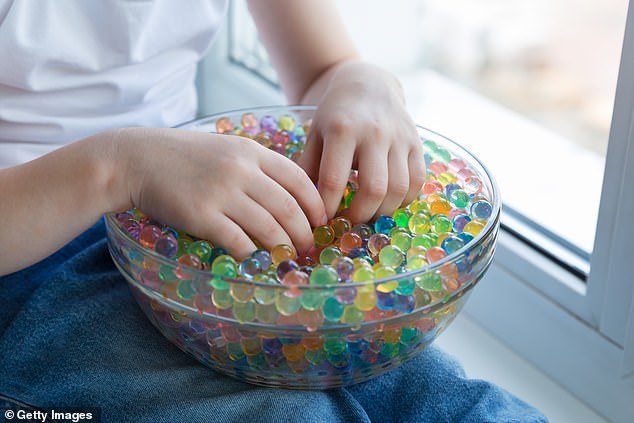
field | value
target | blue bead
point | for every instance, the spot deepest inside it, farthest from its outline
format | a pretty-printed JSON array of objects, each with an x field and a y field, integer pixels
[
  {"x": 384, "y": 224},
  {"x": 465, "y": 237},
  {"x": 264, "y": 257},
  {"x": 404, "y": 303},
  {"x": 449, "y": 188},
  {"x": 452, "y": 244},
  {"x": 358, "y": 252},
  {"x": 384, "y": 300}
]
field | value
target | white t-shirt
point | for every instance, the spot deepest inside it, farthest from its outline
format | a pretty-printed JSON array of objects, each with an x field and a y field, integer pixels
[{"x": 72, "y": 68}]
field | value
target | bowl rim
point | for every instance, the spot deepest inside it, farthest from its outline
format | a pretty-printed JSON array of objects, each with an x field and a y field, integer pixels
[{"x": 491, "y": 225}]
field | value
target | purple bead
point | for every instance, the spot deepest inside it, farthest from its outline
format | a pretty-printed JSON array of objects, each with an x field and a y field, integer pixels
[
  {"x": 449, "y": 188},
  {"x": 384, "y": 300},
  {"x": 286, "y": 266},
  {"x": 358, "y": 252},
  {"x": 264, "y": 257},
  {"x": 166, "y": 245},
  {"x": 268, "y": 124},
  {"x": 404, "y": 303},
  {"x": 345, "y": 295},
  {"x": 271, "y": 346}
]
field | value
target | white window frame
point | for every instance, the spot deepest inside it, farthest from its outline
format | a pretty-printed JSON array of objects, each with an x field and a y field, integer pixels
[{"x": 580, "y": 333}]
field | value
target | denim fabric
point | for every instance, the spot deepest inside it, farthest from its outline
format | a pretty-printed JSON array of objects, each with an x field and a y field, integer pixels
[{"x": 71, "y": 335}]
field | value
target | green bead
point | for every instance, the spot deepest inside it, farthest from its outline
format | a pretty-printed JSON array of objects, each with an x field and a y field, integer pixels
[
  {"x": 430, "y": 282},
  {"x": 332, "y": 309},
  {"x": 328, "y": 254},
  {"x": 222, "y": 298},
  {"x": 402, "y": 240},
  {"x": 459, "y": 198},
  {"x": 244, "y": 312},
  {"x": 234, "y": 351},
  {"x": 363, "y": 273},
  {"x": 425, "y": 241},
  {"x": 441, "y": 155},
  {"x": 185, "y": 291},
  {"x": 401, "y": 217},
  {"x": 287, "y": 305},
  {"x": 419, "y": 224},
  {"x": 440, "y": 224},
  {"x": 408, "y": 335},
  {"x": 430, "y": 146},
  {"x": 324, "y": 275},
  {"x": 405, "y": 287},
  {"x": 416, "y": 262},
  {"x": 312, "y": 299},
  {"x": 166, "y": 273},
  {"x": 201, "y": 249},
  {"x": 352, "y": 315},
  {"x": 286, "y": 123},
  {"x": 391, "y": 255},
  {"x": 315, "y": 357}
]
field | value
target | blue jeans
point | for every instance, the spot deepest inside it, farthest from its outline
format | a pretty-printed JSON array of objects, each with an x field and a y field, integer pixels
[{"x": 71, "y": 335}]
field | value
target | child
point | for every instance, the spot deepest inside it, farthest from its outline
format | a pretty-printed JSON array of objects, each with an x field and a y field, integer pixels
[{"x": 76, "y": 78}]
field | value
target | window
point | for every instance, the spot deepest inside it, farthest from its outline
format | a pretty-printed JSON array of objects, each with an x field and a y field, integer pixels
[{"x": 531, "y": 88}]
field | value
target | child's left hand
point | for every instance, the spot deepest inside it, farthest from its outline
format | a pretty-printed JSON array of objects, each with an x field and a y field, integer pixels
[{"x": 362, "y": 124}]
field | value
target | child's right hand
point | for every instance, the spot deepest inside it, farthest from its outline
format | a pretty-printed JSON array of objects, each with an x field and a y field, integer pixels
[{"x": 218, "y": 187}]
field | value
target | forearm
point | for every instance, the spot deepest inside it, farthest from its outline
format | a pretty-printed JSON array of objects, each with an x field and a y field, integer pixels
[{"x": 49, "y": 201}]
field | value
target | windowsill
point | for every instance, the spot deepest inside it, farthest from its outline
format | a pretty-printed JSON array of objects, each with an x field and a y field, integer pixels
[
  {"x": 485, "y": 357},
  {"x": 563, "y": 175}
]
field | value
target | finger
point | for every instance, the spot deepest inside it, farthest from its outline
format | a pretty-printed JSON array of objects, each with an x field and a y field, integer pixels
[
  {"x": 334, "y": 171},
  {"x": 398, "y": 182},
  {"x": 286, "y": 211},
  {"x": 416, "y": 166},
  {"x": 295, "y": 181},
  {"x": 256, "y": 221},
  {"x": 231, "y": 236},
  {"x": 309, "y": 160},
  {"x": 373, "y": 180}
]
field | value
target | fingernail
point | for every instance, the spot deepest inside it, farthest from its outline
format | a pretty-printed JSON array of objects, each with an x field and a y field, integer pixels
[{"x": 324, "y": 220}]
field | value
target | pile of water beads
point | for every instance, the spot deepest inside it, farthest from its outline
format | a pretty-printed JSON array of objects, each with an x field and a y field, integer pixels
[{"x": 360, "y": 273}]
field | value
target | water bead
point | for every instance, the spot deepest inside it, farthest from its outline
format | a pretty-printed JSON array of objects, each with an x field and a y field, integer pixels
[
  {"x": 365, "y": 300},
  {"x": 391, "y": 255},
  {"x": 332, "y": 309},
  {"x": 362, "y": 261},
  {"x": 439, "y": 206},
  {"x": 279, "y": 140},
  {"x": 363, "y": 230},
  {"x": 148, "y": 235},
  {"x": 442, "y": 155},
  {"x": 363, "y": 273},
  {"x": 352, "y": 315},
  {"x": 358, "y": 252},
  {"x": 295, "y": 277},
  {"x": 416, "y": 250},
  {"x": 384, "y": 224},
  {"x": 402, "y": 240},
  {"x": 215, "y": 252},
  {"x": 473, "y": 185},
  {"x": 349, "y": 241},
  {"x": 166, "y": 245},
  {"x": 286, "y": 123},
  {"x": 437, "y": 168},
  {"x": 401, "y": 217},
  {"x": 282, "y": 252},
  {"x": 340, "y": 225},
  {"x": 190, "y": 260},
  {"x": 455, "y": 165},
  {"x": 451, "y": 187},
  {"x": 328, "y": 254},
  {"x": 418, "y": 206},
  {"x": 452, "y": 244},
  {"x": 344, "y": 266},
  {"x": 405, "y": 286},
  {"x": 430, "y": 146},
  {"x": 377, "y": 242},
  {"x": 268, "y": 124},
  {"x": 250, "y": 267},
  {"x": 416, "y": 262},
  {"x": 474, "y": 227},
  {"x": 323, "y": 235},
  {"x": 481, "y": 209},
  {"x": 440, "y": 224},
  {"x": 263, "y": 257},
  {"x": 431, "y": 187},
  {"x": 224, "y": 125},
  {"x": 384, "y": 300},
  {"x": 419, "y": 224},
  {"x": 465, "y": 237},
  {"x": 200, "y": 248},
  {"x": 459, "y": 198},
  {"x": 404, "y": 304},
  {"x": 284, "y": 267},
  {"x": 425, "y": 240},
  {"x": 458, "y": 223},
  {"x": 323, "y": 275},
  {"x": 434, "y": 254},
  {"x": 446, "y": 178},
  {"x": 249, "y": 122},
  {"x": 287, "y": 305}
]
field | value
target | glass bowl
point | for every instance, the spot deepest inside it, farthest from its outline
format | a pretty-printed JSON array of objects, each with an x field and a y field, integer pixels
[{"x": 274, "y": 335}]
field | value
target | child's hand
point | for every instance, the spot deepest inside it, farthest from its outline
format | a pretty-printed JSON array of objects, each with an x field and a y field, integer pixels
[
  {"x": 362, "y": 123},
  {"x": 219, "y": 187}
]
